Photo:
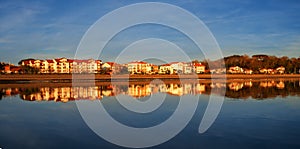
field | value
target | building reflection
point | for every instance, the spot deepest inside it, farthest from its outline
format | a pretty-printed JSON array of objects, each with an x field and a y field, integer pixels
[
  {"x": 234, "y": 89},
  {"x": 63, "y": 94}
]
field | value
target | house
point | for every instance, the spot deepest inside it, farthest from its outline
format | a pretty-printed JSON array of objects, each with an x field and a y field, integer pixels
[
  {"x": 28, "y": 62},
  {"x": 139, "y": 67},
  {"x": 177, "y": 67},
  {"x": 32, "y": 63},
  {"x": 77, "y": 66},
  {"x": 62, "y": 64},
  {"x": 188, "y": 68},
  {"x": 271, "y": 71},
  {"x": 98, "y": 63},
  {"x": 235, "y": 70},
  {"x": 155, "y": 69},
  {"x": 112, "y": 67},
  {"x": 52, "y": 68},
  {"x": 152, "y": 69},
  {"x": 44, "y": 66},
  {"x": 108, "y": 65},
  {"x": 267, "y": 71},
  {"x": 15, "y": 69},
  {"x": 218, "y": 71},
  {"x": 198, "y": 68},
  {"x": 149, "y": 68},
  {"x": 72, "y": 63},
  {"x": 65, "y": 65},
  {"x": 7, "y": 69},
  {"x": 84, "y": 66},
  {"x": 166, "y": 69},
  {"x": 93, "y": 66},
  {"x": 280, "y": 70},
  {"x": 248, "y": 71},
  {"x": 37, "y": 64},
  {"x": 264, "y": 70}
]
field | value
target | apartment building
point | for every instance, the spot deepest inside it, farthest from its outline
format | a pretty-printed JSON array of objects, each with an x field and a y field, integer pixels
[
  {"x": 140, "y": 67},
  {"x": 64, "y": 65}
]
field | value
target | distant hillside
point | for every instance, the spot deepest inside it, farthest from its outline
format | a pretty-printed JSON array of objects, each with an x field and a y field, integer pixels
[
  {"x": 292, "y": 65},
  {"x": 259, "y": 61}
]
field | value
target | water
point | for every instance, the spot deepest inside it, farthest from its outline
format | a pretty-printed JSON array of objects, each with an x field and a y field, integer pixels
[{"x": 265, "y": 114}]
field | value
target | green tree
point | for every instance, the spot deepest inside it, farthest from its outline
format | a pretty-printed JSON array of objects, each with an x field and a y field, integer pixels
[{"x": 29, "y": 70}]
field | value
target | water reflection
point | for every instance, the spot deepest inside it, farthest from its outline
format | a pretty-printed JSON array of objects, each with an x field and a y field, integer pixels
[{"x": 256, "y": 89}]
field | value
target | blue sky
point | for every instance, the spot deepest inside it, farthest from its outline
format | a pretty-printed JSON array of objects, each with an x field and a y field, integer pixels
[{"x": 53, "y": 28}]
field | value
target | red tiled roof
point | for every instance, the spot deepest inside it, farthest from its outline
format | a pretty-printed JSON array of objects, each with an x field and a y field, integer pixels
[
  {"x": 111, "y": 63},
  {"x": 70, "y": 60},
  {"x": 152, "y": 64},
  {"x": 15, "y": 68},
  {"x": 50, "y": 61},
  {"x": 26, "y": 62},
  {"x": 165, "y": 65},
  {"x": 79, "y": 60},
  {"x": 198, "y": 64},
  {"x": 137, "y": 62},
  {"x": 58, "y": 59},
  {"x": 98, "y": 61},
  {"x": 174, "y": 63}
]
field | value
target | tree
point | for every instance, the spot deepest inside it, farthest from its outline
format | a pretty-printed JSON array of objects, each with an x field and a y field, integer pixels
[
  {"x": 2, "y": 64},
  {"x": 29, "y": 70},
  {"x": 20, "y": 62},
  {"x": 195, "y": 61},
  {"x": 105, "y": 71},
  {"x": 124, "y": 70}
]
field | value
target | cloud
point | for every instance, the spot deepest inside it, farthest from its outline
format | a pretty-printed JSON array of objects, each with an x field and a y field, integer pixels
[
  {"x": 4, "y": 41},
  {"x": 19, "y": 15}
]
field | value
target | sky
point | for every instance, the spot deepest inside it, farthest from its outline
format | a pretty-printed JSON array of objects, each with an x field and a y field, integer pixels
[{"x": 49, "y": 29}]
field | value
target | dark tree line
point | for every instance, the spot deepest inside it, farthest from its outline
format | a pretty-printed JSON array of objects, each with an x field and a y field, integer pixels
[
  {"x": 29, "y": 70},
  {"x": 20, "y": 62},
  {"x": 2, "y": 64},
  {"x": 256, "y": 62}
]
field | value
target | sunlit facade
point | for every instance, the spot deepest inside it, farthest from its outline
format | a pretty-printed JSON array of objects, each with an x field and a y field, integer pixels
[{"x": 64, "y": 65}]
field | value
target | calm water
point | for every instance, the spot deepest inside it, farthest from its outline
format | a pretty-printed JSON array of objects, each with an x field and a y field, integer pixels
[{"x": 255, "y": 114}]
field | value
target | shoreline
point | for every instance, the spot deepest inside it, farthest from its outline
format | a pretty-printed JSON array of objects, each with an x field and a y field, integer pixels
[
  {"x": 100, "y": 77},
  {"x": 65, "y": 80}
]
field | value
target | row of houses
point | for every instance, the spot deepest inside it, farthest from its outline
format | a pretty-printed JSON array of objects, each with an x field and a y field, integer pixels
[
  {"x": 239, "y": 70},
  {"x": 140, "y": 67},
  {"x": 64, "y": 65}
]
